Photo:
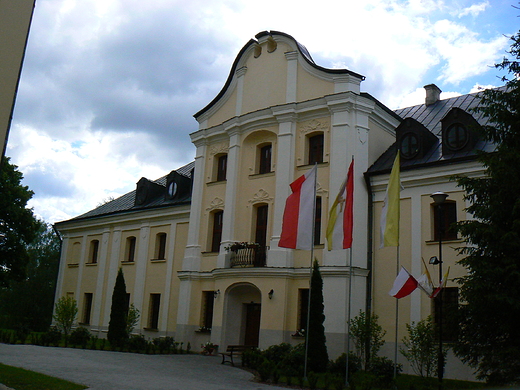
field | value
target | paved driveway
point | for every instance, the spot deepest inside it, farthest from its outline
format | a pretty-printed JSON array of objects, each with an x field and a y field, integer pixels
[{"x": 104, "y": 370}]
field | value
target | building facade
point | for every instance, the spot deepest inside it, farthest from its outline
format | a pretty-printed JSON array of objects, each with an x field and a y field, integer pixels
[{"x": 207, "y": 266}]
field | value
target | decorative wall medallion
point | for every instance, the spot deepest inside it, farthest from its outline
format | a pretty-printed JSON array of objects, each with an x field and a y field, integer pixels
[
  {"x": 219, "y": 148},
  {"x": 261, "y": 196},
  {"x": 216, "y": 203},
  {"x": 320, "y": 190},
  {"x": 314, "y": 125}
]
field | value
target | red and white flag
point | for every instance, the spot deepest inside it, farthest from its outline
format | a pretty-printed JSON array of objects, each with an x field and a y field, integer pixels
[
  {"x": 298, "y": 216},
  {"x": 441, "y": 285},
  {"x": 404, "y": 284}
]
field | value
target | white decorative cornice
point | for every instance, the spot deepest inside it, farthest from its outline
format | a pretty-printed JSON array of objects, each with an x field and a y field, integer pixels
[
  {"x": 262, "y": 196},
  {"x": 216, "y": 203}
]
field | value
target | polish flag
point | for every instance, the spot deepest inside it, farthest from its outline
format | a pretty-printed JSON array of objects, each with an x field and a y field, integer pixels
[
  {"x": 404, "y": 284},
  {"x": 298, "y": 216}
]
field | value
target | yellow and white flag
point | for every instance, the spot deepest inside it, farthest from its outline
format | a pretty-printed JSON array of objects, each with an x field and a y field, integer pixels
[{"x": 391, "y": 208}]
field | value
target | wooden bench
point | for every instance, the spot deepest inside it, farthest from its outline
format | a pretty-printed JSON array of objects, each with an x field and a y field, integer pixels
[{"x": 234, "y": 350}]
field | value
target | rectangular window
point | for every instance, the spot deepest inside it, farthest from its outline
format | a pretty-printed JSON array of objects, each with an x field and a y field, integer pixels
[
  {"x": 450, "y": 304},
  {"x": 153, "y": 317},
  {"x": 265, "y": 159},
  {"x": 94, "y": 249},
  {"x": 216, "y": 235},
  {"x": 445, "y": 220},
  {"x": 87, "y": 308},
  {"x": 317, "y": 222},
  {"x": 207, "y": 309},
  {"x": 303, "y": 308},
  {"x": 222, "y": 167},
  {"x": 316, "y": 149},
  {"x": 160, "y": 246}
]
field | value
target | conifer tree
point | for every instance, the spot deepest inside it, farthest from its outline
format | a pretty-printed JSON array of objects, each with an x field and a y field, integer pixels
[
  {"x": 489, "y": 337},
  {"x": 318, "y": 357},
  {"x": 117, "y": 327}
]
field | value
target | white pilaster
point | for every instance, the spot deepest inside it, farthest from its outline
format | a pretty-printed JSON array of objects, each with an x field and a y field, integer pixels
[
  {"x": 292, "y": 76},
  {"x": 228, "y": 226},
  {"x": 285, "y": 163},
  {"x": 112, "y": 274},
  {"x": 100, "y": 282},
  {"x": 141, "y": 265},
  {"x": 169, "y": 276},
  {"x": 240, "y": 90},
  {"x": 192, "y": 255}
]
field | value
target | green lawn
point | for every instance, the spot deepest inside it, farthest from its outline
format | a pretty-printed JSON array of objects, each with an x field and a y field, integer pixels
[{"x": 20, "y": 379}]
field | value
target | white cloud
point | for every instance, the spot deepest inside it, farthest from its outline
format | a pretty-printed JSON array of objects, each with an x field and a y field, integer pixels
[{"x": 473, "y": 10}]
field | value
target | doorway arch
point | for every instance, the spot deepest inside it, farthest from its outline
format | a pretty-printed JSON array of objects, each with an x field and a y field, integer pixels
[{"x": 243, "y": 312}]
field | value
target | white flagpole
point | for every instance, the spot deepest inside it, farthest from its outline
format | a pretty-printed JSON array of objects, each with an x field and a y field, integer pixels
[{"x": 310, "y": 278}]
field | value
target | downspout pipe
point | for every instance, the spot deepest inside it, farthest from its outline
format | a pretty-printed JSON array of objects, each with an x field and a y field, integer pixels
[{"x": 370, "y": 242}]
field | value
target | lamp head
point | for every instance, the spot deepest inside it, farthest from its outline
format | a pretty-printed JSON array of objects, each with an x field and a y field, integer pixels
[{"x": 439, "y": 197}]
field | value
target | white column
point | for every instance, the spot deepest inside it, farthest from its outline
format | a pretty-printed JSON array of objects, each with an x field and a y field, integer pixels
[
  {"x": 63, "y": 266},
  {"x": 192, "y": 255},
  {"x": 285, "y": 167},
  {"x": 228, "y": 225},
  {"x": 100, "y": 282}
]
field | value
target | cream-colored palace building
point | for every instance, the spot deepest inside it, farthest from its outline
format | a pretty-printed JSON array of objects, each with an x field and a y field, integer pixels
[{"x": 278, "y": 114}]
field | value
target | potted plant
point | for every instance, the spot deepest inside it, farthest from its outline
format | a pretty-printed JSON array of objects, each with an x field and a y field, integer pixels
[{"x": 208, "y": 348}]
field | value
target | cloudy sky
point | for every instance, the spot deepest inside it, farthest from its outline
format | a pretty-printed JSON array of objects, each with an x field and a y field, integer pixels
[{"x": 109, "y": 87}]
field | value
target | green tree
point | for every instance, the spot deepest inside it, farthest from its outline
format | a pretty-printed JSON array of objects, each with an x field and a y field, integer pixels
[
  {"x": 367, "y": 336},
  {"x": 29, "y": 302},
  {"x": 117, "y": 327},
  {"x": 489, "y": 339},
  {"x": 318, "y": 356},
  {"x": 420, "y": 347},
  {"x": 132, "y": 319},
  {"x": 65, "y": 312},
  {"x": 18, "y": 226}
]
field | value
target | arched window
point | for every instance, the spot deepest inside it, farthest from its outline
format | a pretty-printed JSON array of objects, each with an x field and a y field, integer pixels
[
  {"x": 221, "y": 167},
  {"x": 264, "y": 159},
  {"x": 315, "y": 144}
]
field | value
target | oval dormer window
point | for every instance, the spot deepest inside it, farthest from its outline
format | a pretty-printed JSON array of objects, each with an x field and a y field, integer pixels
[
  {"x": 172, "y": 189},
  {"x": 456, "y": 136},
  {"x": 409, "y": 145}
]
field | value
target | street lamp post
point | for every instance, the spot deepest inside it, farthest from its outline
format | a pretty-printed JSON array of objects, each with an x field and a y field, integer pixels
[{"x": 439, "y": 198}]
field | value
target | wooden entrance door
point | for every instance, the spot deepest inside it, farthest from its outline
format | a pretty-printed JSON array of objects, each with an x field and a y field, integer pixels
[{"x": 252, "y": 333}]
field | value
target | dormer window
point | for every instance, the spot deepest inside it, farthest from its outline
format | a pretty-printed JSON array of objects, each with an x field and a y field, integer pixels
[
  {"x": 409, "y": 145},
  {"x": 413, "y": 139},
  {"x": 459, "y": 131},
  {"x": 456, "y": 136}
]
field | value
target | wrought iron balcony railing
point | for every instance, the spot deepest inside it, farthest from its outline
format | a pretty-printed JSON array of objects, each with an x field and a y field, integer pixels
[{"x": 249, "y": 256}]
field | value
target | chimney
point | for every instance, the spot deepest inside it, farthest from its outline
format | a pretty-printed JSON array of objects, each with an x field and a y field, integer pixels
[{"x": 433, "y": 94}]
